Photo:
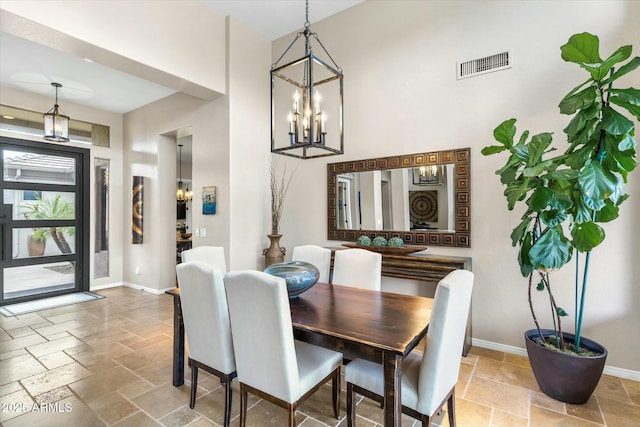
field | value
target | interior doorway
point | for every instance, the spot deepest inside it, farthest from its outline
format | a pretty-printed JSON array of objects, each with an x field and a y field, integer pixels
[{"x": 44, "y": 220}]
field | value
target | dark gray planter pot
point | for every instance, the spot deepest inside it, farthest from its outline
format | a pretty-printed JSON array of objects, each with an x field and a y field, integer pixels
[{"x": 565, "y": 377}]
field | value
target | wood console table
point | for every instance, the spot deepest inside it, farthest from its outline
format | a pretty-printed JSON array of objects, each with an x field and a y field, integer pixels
[{"x": 424, "y": 267}]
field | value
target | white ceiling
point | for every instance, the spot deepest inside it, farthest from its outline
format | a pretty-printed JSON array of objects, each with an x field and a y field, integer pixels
[{"x": 32, "y": 67}]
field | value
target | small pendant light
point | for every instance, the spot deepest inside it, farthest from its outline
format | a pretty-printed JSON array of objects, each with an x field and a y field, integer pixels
[{"x": 56, "y": 125}]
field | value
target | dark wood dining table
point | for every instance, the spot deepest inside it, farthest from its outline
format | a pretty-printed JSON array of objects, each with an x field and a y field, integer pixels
[{"x": 379, "y": 326}]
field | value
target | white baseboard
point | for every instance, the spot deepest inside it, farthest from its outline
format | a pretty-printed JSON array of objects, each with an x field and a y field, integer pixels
[
  {"x": 107, "y": 286},
  {"x": 608, "y": 370},
  {"x": 146, "y": 289}
]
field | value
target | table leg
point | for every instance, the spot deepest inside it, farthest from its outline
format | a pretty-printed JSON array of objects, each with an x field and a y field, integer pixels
[
  {"x": 178, "y": 343},
  {"x": 392, "y": 398}
]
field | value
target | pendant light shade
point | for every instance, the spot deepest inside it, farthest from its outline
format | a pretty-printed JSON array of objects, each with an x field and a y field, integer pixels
[
  {"x": 306, "y": 103},
  {"x": 56, "y": 125}
]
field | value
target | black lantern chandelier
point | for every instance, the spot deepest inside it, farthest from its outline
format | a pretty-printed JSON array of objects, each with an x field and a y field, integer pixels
[
  {"x": 306, "y": 103},
  {"x": 56, "y": 125},
  {"x": 182, "y": 195}
]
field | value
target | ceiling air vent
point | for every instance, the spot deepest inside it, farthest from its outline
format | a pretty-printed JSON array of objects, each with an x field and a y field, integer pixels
[{"x": 488, "y": 64}]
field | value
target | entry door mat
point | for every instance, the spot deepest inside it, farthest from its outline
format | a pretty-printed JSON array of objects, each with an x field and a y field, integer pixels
[{"x": 46, "y": 303}]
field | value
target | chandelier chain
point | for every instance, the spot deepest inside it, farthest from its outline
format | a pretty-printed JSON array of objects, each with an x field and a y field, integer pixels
[{"x": 307, "y": 24}]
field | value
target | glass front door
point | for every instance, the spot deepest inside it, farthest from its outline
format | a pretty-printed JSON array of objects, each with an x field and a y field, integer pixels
[{"x": 44, "y": 232}]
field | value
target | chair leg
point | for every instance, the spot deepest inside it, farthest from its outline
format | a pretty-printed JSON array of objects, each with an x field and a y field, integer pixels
[
  {"x": 335, "y": 384},
  {"x": 451, "y": 409},
  {"x": 194, "y": 385},
  {"x": 292, "y": 417},
  {"x": 243, "y": 406},
  {"x": 228, "y": 394},
  {"x": 351, "y": 407}
]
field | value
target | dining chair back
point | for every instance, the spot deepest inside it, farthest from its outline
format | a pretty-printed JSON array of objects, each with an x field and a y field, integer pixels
[
  {"x": 358, "y": 268},
  {"x": 428, "y": 378},
  {"x": 271, "y": 364},
  {"x": 316, "y": 255},
  {"x": 212, "y": 255},
  {"x": 206, "y": 322}
]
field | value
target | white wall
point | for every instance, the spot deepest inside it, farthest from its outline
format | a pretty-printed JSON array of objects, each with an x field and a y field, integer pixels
[
  {"x": 401, "y": 96},
  {"x": 230, "y": 151},
  {"x": 150, "y": 146},
  {"x": 132, "y": 36},
  {"x": 248, "y": 59},
  {"x": 30, "y": 101}
]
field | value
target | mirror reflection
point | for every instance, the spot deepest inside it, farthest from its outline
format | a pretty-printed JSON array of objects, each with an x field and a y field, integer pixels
[
  {"x": 405, "y": 199},
  {"x": 423, "y": 198}
]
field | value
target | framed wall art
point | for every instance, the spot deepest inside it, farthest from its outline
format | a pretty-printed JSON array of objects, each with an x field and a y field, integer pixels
[{"x": 209, "y": 200}]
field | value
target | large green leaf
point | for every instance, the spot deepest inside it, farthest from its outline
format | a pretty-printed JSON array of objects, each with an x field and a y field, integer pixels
[
  {"x": 521, "y": 151},
  {"x": 599, "y": 71},
  {"x": 608, "y": 213},
  {"x": 505, "y": 132},
  {"x": 633, "y": 109},
  {"x": 523, "y": 256},
  {"x": 552, "y": 250},
  {"x": 561, "y": 201},
  {"x": 580, "y": 100},
  {"x": 553, "y": 217},
  {"x": 586, "y": 134},
  {"x": 581, "y": 212},
  {"x": 581, "y": 48},
  {"x": 578, "y": 158},
  {"x": 586, "y": 236},
  {"x": 520, "y": 231},
  {"x": 591, "y": 203},
  {"x": 621, "y": 154},
  {"x": 576, "y": 124},
  {"x": 630, "y": 95},
  {"x": 627, "y": 143},
  {"x": 562, "y": 174},
  {"x": 537, "y": 147},
  {"x": 595, "y": 183},
  {"x": 614, "y": 122},
  {"x": 516, "y": 191},
  {"x": 625, "y": 69},
  {"x": 539, "y": 169},
  {"x": 509, "y": 171},
  {"x": 493, "y": 149},
  {"x": 540, "y": 199}
]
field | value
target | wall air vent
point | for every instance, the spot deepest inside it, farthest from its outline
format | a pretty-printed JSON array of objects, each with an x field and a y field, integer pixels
[{"x": 488, "y": 64}]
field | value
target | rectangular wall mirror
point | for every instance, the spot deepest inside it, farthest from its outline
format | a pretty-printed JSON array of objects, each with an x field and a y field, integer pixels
[{"x": 423, "y": 198}]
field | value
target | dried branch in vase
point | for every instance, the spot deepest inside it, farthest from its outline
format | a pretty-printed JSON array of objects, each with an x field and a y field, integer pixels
[{"x": 279, "y": 187}]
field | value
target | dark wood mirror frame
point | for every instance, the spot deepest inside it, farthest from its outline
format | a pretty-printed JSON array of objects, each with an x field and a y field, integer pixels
[{"x": 462, "y": 161}]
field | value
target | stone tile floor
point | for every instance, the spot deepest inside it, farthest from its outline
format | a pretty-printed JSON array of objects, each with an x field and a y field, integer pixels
[{"x": 108, "y": 363}]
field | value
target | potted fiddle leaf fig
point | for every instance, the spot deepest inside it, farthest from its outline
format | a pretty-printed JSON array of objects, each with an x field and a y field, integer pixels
[{"x": 566, "y": 197}]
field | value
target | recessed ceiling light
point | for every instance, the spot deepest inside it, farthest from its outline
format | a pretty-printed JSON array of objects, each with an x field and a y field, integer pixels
[{"x": 8, "y": 117}]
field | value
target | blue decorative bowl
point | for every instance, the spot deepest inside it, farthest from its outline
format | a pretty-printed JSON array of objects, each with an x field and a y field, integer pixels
[{"x": 299, "y": 275}]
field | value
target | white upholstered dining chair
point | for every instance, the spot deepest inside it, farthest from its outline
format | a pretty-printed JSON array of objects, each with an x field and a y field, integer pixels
[
  {"x": 316, "y": 255},
  {"x": 211, "y": 255},
  {"x": 429, "y": 378},
  {"x": 358, "y": 268},
  {"x": 271, "y": 364},
  {"x": 206, "y": 322}
]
